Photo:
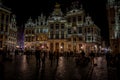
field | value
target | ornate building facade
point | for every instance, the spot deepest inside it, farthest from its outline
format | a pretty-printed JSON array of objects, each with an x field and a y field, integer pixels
[
  {"x": 113, "y": 9},
  {"x": 73, "y": 31},
  {"x": 7, "y": 28},
  {"x": 12, "y": 37}
]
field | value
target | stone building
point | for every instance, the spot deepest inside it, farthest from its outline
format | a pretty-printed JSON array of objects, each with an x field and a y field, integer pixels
[
  {"x": 8, "y": 29},
  {"x": 12, "y": 37},
  {"x": 113, "y": 9},
  {"x": 73, "y": 31}
]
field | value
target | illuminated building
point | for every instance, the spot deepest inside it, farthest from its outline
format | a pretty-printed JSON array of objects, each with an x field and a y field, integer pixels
[
  {"x": 4, "y": 25},
  {"x": 113, "y": 9},
  {"x": 92, "y": 35},
  {"x": 12, "y": 38},
  {"x": 8, "y": 29},
  {"x": 73, "y": 31},
  {"x": 57, "y": 30},
  {"x": 36, "y": 34}
]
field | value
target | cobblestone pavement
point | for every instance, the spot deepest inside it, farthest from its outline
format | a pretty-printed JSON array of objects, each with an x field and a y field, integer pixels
[
  {"x": 22, "y": 68},
  {"x": 100, "y": 71}
]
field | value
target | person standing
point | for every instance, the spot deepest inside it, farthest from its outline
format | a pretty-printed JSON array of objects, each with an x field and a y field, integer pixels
[
  {"x": 37, "y": 56},
  {"x": 92, "y": 55}
]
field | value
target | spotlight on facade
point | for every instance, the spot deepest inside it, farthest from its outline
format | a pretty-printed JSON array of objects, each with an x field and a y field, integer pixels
[
  {"x": 42, "y": 46},
  {"x": 81, "y": 47},
  {"x": 61, "y": 47},
  {"x": 17, "y": 46}
]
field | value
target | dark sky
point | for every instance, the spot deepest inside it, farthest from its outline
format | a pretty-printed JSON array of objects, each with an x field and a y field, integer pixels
[{"x": 26, "y": 8}]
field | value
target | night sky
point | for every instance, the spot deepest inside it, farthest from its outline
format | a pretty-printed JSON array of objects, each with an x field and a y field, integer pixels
[{"x": 26, "y": 8}]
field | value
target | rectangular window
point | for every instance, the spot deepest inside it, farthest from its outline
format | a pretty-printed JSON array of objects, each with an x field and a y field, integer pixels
[
  {"x": 57, "y": 26},
  {"x": 2, "y": 17},
  {"x": 41, "y": 30},
  {"x": 26, "y": 39},
  {"x": 51, "y": 26},
  {"x": 51, "y": 36},
  {"x": 69, "y": 31},
  {"x": 79, "y": 18},
  {"x": 1, "y": 26},
  {"x": 92, "y": 30},
  {"x": 62, "y": 26},
  {"x": 62, "y": 36},
  {"x": 57, "y": 36},
  {"x": 6, "y": 28},
  {"x": 74, "y": 19},
  {"x": 32, "y": 31},
  {"x": 80, "y": 29},
  {"x": 89, "y": 38},
  {"x": 88, "y": 30}
]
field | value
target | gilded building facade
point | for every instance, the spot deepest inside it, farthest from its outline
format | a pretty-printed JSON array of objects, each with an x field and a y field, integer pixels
[
  {"x": 113, "y": 9},
  {"x": 7, "y": 28},
  {"x": 73, "y": 31}
]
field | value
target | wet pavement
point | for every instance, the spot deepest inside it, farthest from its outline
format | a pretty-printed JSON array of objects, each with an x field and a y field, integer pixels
[
  {"x": 23, "y": 68},
  {"x": 100, "y": 71}
]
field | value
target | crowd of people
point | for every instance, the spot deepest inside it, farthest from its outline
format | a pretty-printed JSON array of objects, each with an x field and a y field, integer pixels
[{"x": 80, "y": 58}]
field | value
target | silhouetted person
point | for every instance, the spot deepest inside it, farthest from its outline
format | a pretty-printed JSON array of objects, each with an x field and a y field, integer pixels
[
  {"x": 57, "y": 57},
  {"x": 83, "y": 54},
  {"x": 43, "y": 58},
  {"x": 37, "y": 56},
  {"x": 108, "y": 58},
  {"x": 16, "y": 52},
  {"x": 51, "y": 57},
  {"x": 92, "y": 55}
]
